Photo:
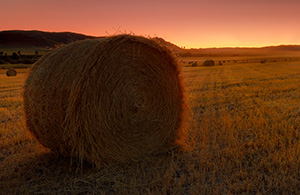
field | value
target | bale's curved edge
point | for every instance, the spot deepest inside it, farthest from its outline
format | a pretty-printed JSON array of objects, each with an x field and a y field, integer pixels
[{"x": 114, "y": 99}]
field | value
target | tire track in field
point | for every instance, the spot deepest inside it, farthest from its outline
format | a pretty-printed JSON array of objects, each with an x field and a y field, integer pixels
[
  {"x": 209, "y": 80},
  {"x": 199, "y": 85},
  {"x": 199, "y": 82}
]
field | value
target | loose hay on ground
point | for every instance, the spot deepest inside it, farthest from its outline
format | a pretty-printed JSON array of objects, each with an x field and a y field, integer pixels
[{"x": 112, "y": 99}]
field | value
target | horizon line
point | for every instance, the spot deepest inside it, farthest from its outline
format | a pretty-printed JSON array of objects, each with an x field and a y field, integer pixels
[{"x": 181, "y": 47}]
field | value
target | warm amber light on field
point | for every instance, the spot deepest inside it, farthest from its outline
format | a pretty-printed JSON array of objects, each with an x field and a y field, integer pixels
[{"x": 242, "y": 137}]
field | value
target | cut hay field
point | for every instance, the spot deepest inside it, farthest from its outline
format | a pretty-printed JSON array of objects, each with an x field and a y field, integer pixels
[{"x": 244, "y": 137}]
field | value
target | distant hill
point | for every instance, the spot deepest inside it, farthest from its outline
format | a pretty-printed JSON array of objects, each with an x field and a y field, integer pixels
[
  {"x": 20, "y": 38},
  {"x": 243, "y": 51},
  {"x": 39, "y": 39},
  {"x": 283, "y": 48},
  {"x": 229, "y": 51},
  {"x": 42, "y": 39}
]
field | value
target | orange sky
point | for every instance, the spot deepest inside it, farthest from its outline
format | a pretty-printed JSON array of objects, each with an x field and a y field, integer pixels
[{"x": 189, "y": 23}]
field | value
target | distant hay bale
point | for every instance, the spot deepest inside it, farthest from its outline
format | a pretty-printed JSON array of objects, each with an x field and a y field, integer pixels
[
  {"x": 114, "y": 99},
  {"x": 220, "y": 63},
  {"x": 208, "y": 63},
  {"x": 263, "y": 61},
  {"x": 194, "y": 64},
  {"x": 11, "y": 72}
]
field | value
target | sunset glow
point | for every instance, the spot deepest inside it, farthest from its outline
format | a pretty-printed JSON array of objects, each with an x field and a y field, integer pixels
[{"x": 190, "y": 23}]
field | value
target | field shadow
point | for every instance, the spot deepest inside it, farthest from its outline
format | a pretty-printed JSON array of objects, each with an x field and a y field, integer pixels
[
  {"x": 48, "y": 173},
  {"x": 22, "y": 172}
]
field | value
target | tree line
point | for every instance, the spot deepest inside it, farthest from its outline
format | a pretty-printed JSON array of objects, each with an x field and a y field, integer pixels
[{"x": 18, "y": 58}]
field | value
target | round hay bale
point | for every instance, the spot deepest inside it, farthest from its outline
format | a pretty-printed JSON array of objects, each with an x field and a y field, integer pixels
[
  {"x": 114, "y": 99},
  {"x": 11, "y": 72},
  {"x": 263, "y": 61},
  {"x": 208, "y": 63}
]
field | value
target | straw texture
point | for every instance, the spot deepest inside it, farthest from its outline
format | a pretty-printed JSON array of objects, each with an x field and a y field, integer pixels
[{"x": 113, "y": 99}]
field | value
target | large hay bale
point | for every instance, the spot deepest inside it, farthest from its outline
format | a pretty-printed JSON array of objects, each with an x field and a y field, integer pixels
[
  {"x": 11, "y": 72},
  {"x": 114, "y": 99},
  {"x": 208, "y": 63}
]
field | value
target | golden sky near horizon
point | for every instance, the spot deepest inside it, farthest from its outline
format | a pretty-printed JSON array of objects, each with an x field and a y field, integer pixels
[{"x": 189, "y": 23}]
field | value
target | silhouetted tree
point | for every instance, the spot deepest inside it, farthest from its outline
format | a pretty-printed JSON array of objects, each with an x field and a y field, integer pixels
[{"x": 14, "y": 56}]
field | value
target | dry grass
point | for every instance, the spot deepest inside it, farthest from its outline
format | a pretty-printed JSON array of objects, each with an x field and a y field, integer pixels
[{"x": 244, "y": 136}]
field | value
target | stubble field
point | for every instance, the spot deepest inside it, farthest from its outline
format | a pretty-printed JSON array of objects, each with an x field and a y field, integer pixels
[{"x": 243, "y": 136}]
